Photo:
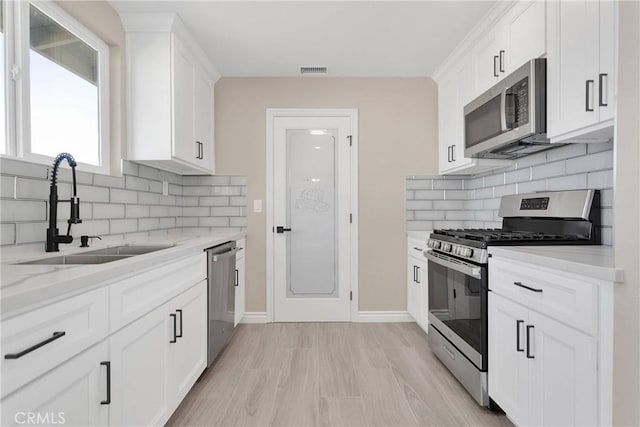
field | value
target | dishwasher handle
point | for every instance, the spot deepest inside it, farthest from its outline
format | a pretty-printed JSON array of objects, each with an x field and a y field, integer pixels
[{"x": 224, "y": 255}]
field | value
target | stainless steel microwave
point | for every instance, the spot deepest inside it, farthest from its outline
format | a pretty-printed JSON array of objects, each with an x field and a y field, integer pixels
[{"x": 510, "y": 119}]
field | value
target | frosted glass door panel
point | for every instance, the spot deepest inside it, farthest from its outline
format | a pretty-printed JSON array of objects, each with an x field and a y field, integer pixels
[{"x": 311, "y": 213}]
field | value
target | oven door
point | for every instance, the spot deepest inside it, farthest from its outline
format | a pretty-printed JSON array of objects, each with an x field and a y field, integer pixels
[{"x": 458, "y": 304}]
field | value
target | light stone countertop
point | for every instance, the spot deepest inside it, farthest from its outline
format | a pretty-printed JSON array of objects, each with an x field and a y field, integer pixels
[
  {"x": 594, "y": 261},
  {"x": 422, "y": 235},
  {"x": 26, "y": 287}
]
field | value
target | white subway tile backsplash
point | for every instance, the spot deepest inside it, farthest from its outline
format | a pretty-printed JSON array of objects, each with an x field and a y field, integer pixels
[
  {"x": 117, "y": 207},
  {"x": 602, "y": 179},
  {"x": 105, "y": 211},
  {"x": 118, "y": 226},
  {"x": 7, "y": 234},
  {"x": 590, "y": 162},
  {"x": 123, "y": 196},
  {"x": 449, "y": 184},
  {"x": 569, "y": 182},
  {"x": 419, "y": 184},
  {"x": 574, "y": 166},
  {"x": 532, "y": 186},
  {"x": 22, "y": 210},
  {"x": 137, "y": 211},
  {"x": 548, "y": 170}
]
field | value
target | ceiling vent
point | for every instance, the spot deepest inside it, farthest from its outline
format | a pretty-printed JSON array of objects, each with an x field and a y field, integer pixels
[{"x": 313, "y": 70}]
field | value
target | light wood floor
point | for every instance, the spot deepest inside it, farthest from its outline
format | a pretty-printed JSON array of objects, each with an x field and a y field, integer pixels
[{"x": 330, "y": 374}]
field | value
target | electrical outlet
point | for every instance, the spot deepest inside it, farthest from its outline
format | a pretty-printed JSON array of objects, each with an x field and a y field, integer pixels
[{"x": 257, "y": 206}]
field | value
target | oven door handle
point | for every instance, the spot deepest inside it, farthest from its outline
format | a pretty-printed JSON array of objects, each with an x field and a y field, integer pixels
[{"x": 468, "y": 269}]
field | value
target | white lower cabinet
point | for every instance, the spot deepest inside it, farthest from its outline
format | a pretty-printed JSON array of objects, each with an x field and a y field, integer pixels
[
  {"x": 139, "y": 356},
  {"x": 71, "y": 394},
  {"x": 543, "y": 371},
  {"x": 157, "y": 359},
  {"x": 240, "y": 285},
  {"x": 417, "y": 279},
  {"x": 188, "y": 355}
]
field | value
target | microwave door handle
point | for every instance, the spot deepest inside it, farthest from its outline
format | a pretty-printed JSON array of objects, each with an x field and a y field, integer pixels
[{"x": 503, "y": 111}]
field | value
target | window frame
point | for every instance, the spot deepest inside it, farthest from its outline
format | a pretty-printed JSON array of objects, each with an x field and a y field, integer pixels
[{"x": 18, "y": 82}]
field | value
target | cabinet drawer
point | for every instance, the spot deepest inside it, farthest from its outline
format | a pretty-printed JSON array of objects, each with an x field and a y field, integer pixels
[
  {"x": 416, "y": 248},
  {"x": 137, "y": 295},
  {"x": 559, "y": 296},
  {"x": 83, "y": 320}
]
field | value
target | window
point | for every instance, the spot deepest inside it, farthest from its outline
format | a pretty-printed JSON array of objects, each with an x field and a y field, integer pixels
[{"x": 60, "y": 80}]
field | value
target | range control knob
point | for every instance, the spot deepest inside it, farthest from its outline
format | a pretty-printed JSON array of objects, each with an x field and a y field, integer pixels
[
  {"x": 466, "y": 252},
  {"x": 446, "y": 247},
  {"x": 436, "y": 244}
]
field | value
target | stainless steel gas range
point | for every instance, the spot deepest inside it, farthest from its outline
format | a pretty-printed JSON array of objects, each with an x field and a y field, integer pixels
[{"x": 458, "y": 278}]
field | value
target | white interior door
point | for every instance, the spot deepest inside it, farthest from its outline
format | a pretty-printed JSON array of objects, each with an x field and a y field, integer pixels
[{"x": 312, "y": 198}]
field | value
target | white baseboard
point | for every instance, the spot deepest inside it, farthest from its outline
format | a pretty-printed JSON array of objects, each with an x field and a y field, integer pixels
[
  {"x": 363, "y": 317},
  {"x": 383, "y": 317},
  {"x": 254, "y": 317}
]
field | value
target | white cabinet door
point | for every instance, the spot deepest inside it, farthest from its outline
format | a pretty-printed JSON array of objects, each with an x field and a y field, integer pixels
[
  {"x": 573, "y": 63},
  {"x": 508, "y": 366},
  {"x": 140, "y": 393},
  {"x": 607, "y": 77},
  {"x": 524, "y": 34},
  {"x": 240, "y": 288},
  {"x": 184, "y": 143},
  {"x": 562, "y": 375},
  {"x": 414, "y": 291},
  {"x": 71, "y": 394},
  {"x": 188, "y": 354},
  {"x": 203, "y": 118},
  {"x": 486, "y": 60},
  {"x": 447, "y": 126}
]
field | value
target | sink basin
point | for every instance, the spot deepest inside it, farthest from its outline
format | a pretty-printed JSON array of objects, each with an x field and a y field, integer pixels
[
  {"x": 77, "y": 259},
  {"x": 129, "y": 250}
]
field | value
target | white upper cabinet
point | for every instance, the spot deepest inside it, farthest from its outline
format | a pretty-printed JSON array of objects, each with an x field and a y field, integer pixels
[
  {"x": 524, "y": 35},
  {"x": 581, "y": 70},
  {"x": 486, "y": 59},
  {"x": 170, "y": 88}
]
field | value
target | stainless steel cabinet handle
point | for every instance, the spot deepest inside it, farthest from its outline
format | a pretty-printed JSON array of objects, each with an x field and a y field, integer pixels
[
  {"x": 237, "y": 280},
  {"x": 55, "y": 336},
  {"x": 529, "y": 355},
  {"x": 527, "y": 287},
  {"x": 587, "y": 95},
  {"x": 518, "y": 323},
  {"x": 175, "y": 326},
  {"x": 602, "y": 90},
  {"x": 495, "y": 66},
  {"x": 108, "y": 400},
  {"x": 417, "y": 275},
  {"x": 502, "y": 61},
  {"x": 179, "y": 334}
]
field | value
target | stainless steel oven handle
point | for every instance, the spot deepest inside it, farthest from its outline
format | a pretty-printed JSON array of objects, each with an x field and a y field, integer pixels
[
  {"x": 224, "y": 255},
  {"x": 462, "y": 267}
]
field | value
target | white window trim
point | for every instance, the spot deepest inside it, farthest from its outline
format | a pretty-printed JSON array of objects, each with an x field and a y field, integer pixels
[{"x": 18, "y": 116}]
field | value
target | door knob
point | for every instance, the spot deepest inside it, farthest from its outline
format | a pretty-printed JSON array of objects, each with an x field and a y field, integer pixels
[{"x": 280, "y": 229}]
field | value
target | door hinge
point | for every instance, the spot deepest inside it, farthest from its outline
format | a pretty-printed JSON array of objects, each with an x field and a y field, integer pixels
[
  {"x": 350, "y": 295},
  {"x": 350, "y": 218},
  {"x": 15, "y": 72},
  {"x": 350, "y": 140}
]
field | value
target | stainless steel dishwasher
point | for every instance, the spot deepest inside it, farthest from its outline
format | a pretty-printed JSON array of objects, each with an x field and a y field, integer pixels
[{"x": 221, "y": 297}]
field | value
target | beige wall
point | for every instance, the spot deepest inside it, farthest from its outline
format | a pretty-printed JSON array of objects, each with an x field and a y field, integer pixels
[
  {"x": 626, "y": 384},
  {"x": 398, "y": 137},
  {"x": 104, "y": 21}
]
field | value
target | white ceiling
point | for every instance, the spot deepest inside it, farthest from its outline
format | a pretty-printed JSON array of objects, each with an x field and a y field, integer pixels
[{"x": 359, "y": 38}]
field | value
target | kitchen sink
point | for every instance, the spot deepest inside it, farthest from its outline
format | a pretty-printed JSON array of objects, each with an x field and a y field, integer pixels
[
  {"x": 77, "y": 259},
  {"x": 129, "y": 250}
]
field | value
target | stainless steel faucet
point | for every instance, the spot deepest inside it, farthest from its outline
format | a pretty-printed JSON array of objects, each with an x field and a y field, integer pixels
[{"x": 53, "y": 238}]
